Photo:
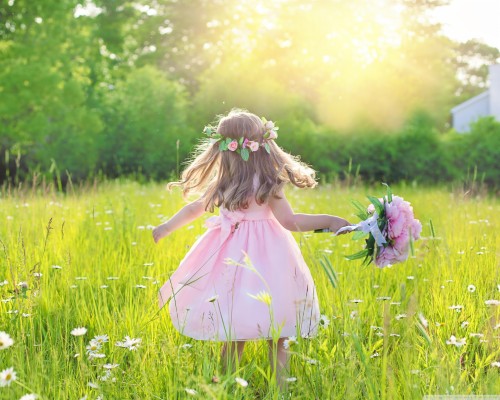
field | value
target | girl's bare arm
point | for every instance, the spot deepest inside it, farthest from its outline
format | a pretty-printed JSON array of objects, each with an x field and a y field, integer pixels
[
  {"x": 303, "y": 222},
  {"x": 184, "y": 216}
]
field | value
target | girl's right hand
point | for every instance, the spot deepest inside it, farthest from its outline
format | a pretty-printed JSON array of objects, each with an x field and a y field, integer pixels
[
  {"x": 338, "y": 223},
  {"x": 160, "y": 232}
]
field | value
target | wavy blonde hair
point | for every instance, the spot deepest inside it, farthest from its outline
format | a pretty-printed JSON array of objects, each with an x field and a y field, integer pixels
[{"x": 225, "y": 180}]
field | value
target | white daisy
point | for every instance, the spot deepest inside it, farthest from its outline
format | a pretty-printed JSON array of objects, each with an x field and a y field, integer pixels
[
  {"x": 7, "y": 376},
  {"x": 423, "y": 320},
  {"x": 289, "y": 342},
  {"x": 471, "y": 288},
  {"x": 453, "y": 341},
  {"x": 93, "y": 346},
  {"x": 400, "y": 316},
  {"x": 324, "y": 321},
  {"x": 5, "y": 340},
  {"x": 186, "y": 346},
  {"x": 191, "y": 392},
  {"x": 241, "y": 382},
  {"x": 37, "y": 274},
  {"x": 291, "y": 379},
  {"x": 457, "y": 308},
  {"x": 101, "y": 339},
  {"x": 110, "y": 366},
  {"x": 93, "y": 355},
  {"x": 79, "y": 331},
  {"x": 356, "y": 301},
  {"x": 464, "y": 324},
  {"x": 492, "y": 302},
  {"x": 495, "y": 364},
  {"x": 31, "y": 396},
  {"x": 130, "y": 343},
  {"x": 93, "y": 385}
]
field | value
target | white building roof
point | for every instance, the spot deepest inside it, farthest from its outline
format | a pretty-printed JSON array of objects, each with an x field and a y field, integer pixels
[{"x": 469, "y": 102}]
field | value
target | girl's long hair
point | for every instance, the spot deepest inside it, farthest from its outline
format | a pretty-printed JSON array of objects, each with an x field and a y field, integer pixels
[{"x": 225, "y": 180}]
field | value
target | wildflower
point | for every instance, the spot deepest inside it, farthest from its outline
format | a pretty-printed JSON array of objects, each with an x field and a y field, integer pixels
[
  {"x": 495, "y": 364},
  {"x": 423, "y": 320},
  {"x": 492, "y": 302},
  {"x": 262, "y": 296},
  {"x": 471, "y": 288},
  {"x": 289, "y": 342},
  {"x": 93, "y": 355},
  {"x": 140, "y": 286},
  {"x": 5, "y": 340},
  {"x": 241, "y": 382},
  {"x": 464, "y": 324},
  {"x": 312, "y": 361},
  {"x": 356, "y": 301},
  {"x": 453, "y": 340},
  {"x": 383, "y": 298},
  {"x": 186, "y": 346},
  {"x": 37, "y": 274},
  {"x": 110, "y": 366},
  {"x": 30, "y": 396},
  {"x": 457, "y": 308},
  {"x": 400, "y": 316},
  {"x": 23, "y": 285},
  {"x": 129, "y": 343},
  {"x": 376, "y": 354},
  {"x": 93, "y": 385},
  {"x": 101, "y": 339},
  {"x": 353, "y": 314},
  {"x": 5, "y": 282},
  {"x": 291, "y": 379},
  {"x": 7, "y": 376},
  {"x": 191, "y": 392},
  {"x": 56, "y": 267},
  {"x": 324, "y": 321},
  {"x": 79, "y": 331}
]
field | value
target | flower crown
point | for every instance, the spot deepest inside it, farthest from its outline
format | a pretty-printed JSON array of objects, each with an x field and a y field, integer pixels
[{"x": 243, "y": 146}]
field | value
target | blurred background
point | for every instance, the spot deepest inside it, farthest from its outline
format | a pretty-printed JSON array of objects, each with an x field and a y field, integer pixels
[{"x": 361, "y": 89}]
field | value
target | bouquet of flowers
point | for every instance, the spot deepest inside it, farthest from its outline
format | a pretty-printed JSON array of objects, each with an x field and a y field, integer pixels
[{"x": 389, "y": 226}]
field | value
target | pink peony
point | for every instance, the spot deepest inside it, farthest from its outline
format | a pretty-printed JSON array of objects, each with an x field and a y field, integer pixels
[
  {"x": 385, "y": 257},
  {"x": 254, "y": 146},
  {"x": 416, "y": 229},
  {"x": 233, "y": 145}
]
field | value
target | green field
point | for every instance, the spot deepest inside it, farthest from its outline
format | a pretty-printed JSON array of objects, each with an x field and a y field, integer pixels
[{"x": 376, "y": 348}]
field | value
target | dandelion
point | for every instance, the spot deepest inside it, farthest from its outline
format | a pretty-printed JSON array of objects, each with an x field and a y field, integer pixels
[
  {"x": 287, "y": 343},
  {"x": 79, "y": 331},
  {"x": 453, "y": 341},
  {"x": 191, "y": 392},
  {"x": 212, "y": 299},
  {"x": 5, "y": 340},
  {"x": 241, "y": 382},
  {"x": 262, "y": 296},
  {"x": 471, "y": 288},
  {"x": 7, "y": 376},
  {"x": 324, "y": 321}
]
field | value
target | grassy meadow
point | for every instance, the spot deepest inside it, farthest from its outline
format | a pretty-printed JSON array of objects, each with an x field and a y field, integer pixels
[{"x": 88, "y": 260}]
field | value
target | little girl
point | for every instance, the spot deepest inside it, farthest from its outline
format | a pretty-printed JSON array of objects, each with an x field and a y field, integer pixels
[{"x": 245, "y": 277}]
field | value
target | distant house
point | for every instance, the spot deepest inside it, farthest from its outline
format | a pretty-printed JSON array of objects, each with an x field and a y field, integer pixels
[{"x": 482, "y": 105}]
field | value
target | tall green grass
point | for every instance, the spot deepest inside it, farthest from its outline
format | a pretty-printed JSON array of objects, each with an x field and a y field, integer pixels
[{"x": 378, "y": 348}]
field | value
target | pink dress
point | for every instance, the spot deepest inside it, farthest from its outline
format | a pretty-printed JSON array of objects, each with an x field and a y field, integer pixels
[{"x": 211, "y": 298}]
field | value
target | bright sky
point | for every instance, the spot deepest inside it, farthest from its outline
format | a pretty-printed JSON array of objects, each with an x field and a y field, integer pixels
[{"x": 471, "y": 19}]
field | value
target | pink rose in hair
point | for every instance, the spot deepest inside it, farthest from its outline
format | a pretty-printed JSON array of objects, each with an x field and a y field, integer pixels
[
  {"x": 273, "y": 135},
  {"x": 254, "y": 146},
  {"x": 269, "y": 125},
  {"x": 233, "y": 145}
]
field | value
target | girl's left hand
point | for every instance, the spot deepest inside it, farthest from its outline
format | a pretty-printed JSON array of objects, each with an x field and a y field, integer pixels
[{"x": 160, "y": 232}]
